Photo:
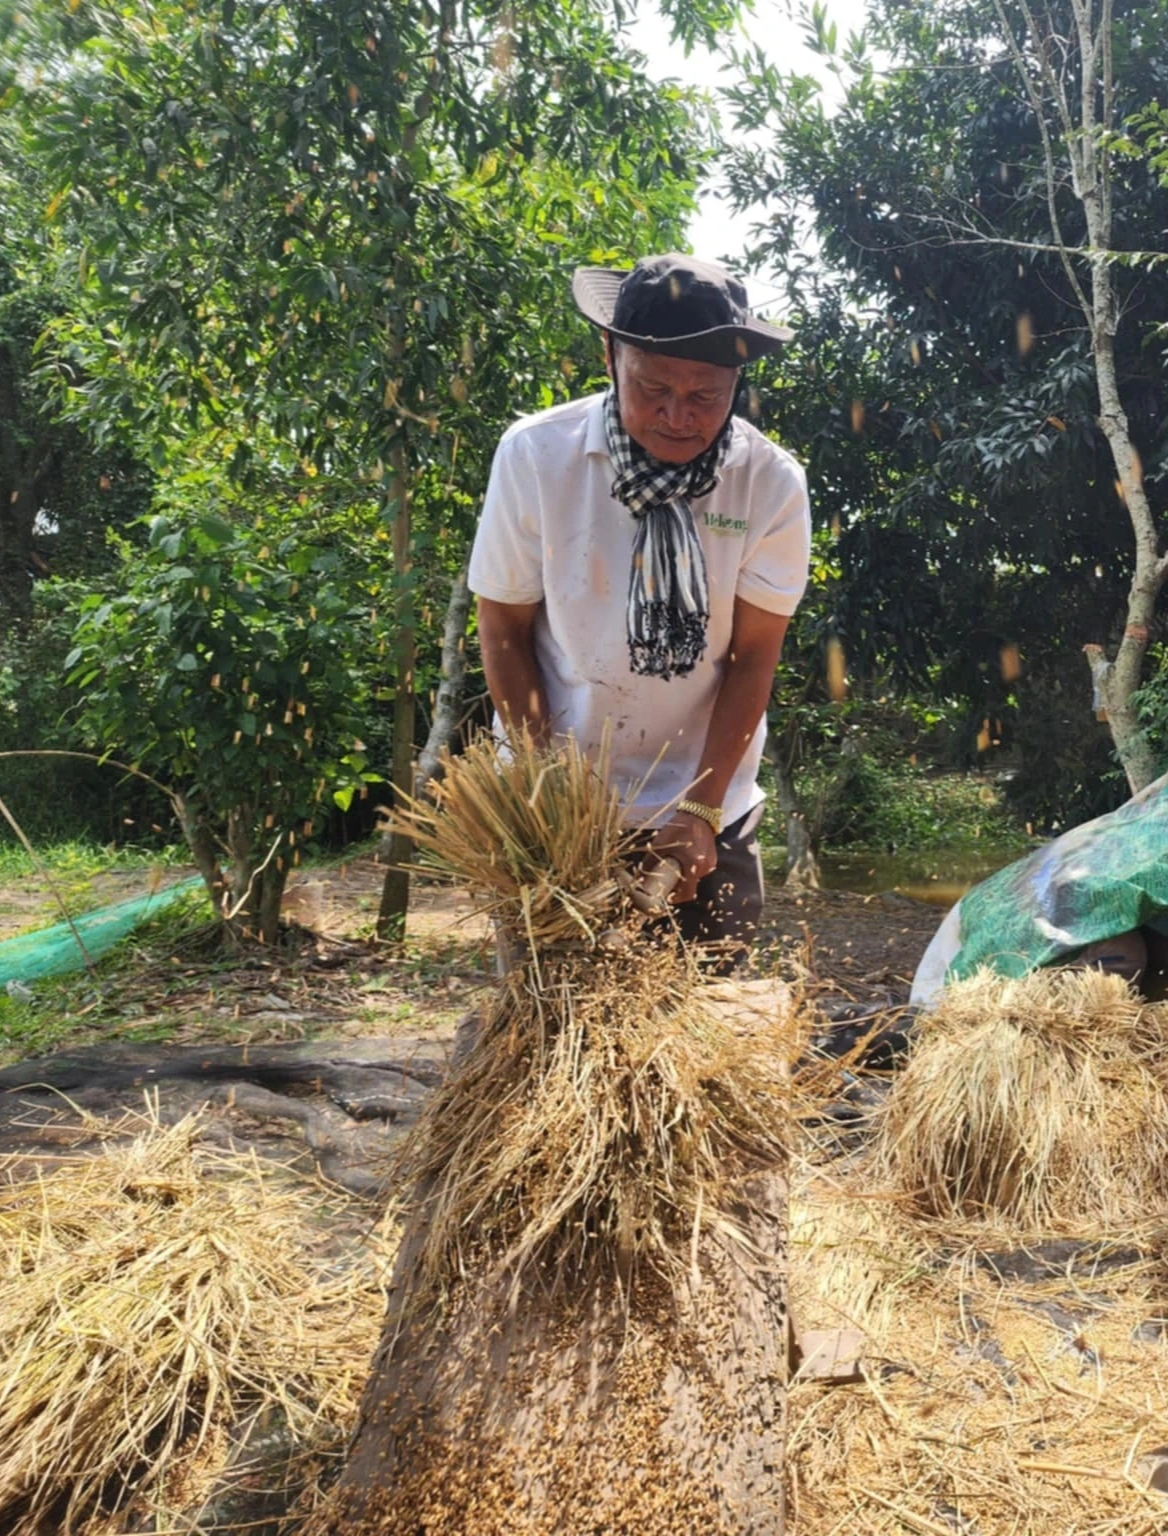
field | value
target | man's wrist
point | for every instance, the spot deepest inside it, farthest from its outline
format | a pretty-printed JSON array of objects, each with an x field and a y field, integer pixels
[{"x": 710, "y": 814}]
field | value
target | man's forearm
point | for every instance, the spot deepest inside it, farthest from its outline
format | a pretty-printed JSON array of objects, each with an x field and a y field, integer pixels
[
  {"x": 506, "y": 639},
  {"x": 517, "y": 691},
  {"x": 742, "y": 700}
]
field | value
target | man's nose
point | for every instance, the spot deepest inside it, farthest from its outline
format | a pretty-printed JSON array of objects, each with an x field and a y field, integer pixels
[{"x": 677, "y": 412}]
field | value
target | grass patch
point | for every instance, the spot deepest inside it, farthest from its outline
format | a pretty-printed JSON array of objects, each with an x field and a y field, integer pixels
[
  {"x": 866, "y": 805},
  {"x": 82, "y": 860},
  {"x": 81, "y": 1006}
]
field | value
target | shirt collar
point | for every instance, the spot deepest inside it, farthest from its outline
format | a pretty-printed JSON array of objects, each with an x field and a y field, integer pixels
[{"x": 596, "y": 442}]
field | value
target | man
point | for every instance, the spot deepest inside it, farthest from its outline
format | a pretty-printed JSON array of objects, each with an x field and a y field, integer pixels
[{"x": 638, "y": 560}]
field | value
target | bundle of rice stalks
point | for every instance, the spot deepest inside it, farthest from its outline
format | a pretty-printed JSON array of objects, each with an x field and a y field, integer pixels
[
  {"x": 148, "y": 1302},
  {"x": 1033, "y": 1101},
  {"x": 536, "y": 835},
  {"x": 611, "y": 1154},
  {"x": 607, "y": 1116},
  {"x": 608, "y": 1112}
]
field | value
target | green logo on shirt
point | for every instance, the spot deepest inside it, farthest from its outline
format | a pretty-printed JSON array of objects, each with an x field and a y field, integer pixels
[{"x": 726, "y": 525}]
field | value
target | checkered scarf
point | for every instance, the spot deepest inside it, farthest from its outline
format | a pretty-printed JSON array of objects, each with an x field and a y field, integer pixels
[{"x": 669, "y": 600}]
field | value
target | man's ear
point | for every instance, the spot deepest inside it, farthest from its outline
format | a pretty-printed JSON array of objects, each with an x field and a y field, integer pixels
[{"x": 609, "y": 355}]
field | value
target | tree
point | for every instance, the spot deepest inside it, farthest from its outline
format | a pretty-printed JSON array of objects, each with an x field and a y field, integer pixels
[
  {"x": 58, "y": 487},
  {"x": 1070, "y": 85},
  {"x": 224, "y": 664},
  {"x": 351, "y": 224},
  {"x": 965, "y": 384}
]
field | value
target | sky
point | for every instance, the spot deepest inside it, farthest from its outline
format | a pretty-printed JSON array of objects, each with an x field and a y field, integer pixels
[{"x": 716, "y": 232}]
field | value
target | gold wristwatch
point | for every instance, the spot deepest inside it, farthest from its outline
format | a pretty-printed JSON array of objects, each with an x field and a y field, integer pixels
[{"x": 710, "y": 814}]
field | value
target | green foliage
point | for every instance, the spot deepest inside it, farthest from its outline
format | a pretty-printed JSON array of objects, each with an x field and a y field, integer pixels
[
  {"x": 59, "y": 488},
  {"x": 80, "y": 860},
  {"x": 56, "y": 799},
  {"x": 227, "y": 664},
  {"x": 942, "y": 384},
  {"x": 1066, "y": 770},
  {"x": 225, "y": 667},
  {"x": 895, "y": 805},
  {"x": 1152, "y": 703},
  {"x": 352, "y": 224},
  {"x": 330, "y": 246}
]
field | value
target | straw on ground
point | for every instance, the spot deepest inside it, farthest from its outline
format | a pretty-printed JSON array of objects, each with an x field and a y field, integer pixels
[{"x": 148, "y": 1295}]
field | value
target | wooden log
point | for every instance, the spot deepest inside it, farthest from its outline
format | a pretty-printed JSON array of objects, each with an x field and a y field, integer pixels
[{"x": 638, "y": 1407}]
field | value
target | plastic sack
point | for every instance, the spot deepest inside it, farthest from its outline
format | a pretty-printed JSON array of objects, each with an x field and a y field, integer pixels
[{"x": 1093, "y": 883}]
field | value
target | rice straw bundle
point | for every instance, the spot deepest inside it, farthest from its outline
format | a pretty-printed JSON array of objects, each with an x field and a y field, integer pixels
[
  {"x": 146, "y": 1301},
  {"x": 1032, "y": 1101},
  {"x": 536, "y": 835},
  {"x": 606, "y": 1116},
  {"x": 608, "y": 1113},
  {"x": 585, "y": 1329}
]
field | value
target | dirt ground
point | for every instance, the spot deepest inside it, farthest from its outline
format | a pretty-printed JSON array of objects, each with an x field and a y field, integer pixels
[
  {"x": 323, "y": 1050},
  {"x": 335, "y": 981}
]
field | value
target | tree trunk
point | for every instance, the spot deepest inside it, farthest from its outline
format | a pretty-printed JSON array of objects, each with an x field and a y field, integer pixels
[
  {"x": 802, "y": 867},
  {"x": 1086, "y": 133},
  {"x": 271, "y": 882},
  {"x": 448, "y": 702},
  {"x": 395, "y": 893},
  {"x": 1090, "y": 158},
  {"x": 1116, "y": 682},
  {"x": 204, "y": 853},
  {"x": 643, "y": 1410}
]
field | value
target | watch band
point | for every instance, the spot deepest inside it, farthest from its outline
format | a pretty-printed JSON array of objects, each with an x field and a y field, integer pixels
[{"x": 710, "y": 814}]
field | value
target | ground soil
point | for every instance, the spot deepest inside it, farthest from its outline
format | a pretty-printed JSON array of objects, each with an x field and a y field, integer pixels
[
  {"x": 323, "y": 1047},
  {"x": 862, "y": 948},
  {"x": 332, "y": 980}
]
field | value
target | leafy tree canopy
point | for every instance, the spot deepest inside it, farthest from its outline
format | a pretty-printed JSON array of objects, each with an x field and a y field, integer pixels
[{"x": 943, "y": 390}]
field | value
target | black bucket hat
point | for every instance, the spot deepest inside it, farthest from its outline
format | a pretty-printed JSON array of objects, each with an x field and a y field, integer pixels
[{"x": 677, "y": 306}]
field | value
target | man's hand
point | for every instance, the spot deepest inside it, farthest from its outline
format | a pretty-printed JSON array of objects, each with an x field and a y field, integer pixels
[{"x": 690, "y": 842}]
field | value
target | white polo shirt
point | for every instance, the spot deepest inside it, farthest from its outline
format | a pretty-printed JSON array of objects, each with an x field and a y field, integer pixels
[{"x": 552, "y": 533}]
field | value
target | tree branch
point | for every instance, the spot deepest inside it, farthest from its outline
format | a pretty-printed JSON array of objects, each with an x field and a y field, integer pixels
[{"x": 1048, "y": 155}]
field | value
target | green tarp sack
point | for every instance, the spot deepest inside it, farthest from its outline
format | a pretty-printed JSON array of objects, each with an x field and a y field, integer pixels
[
  {"x": 1093, "y": 883},
  {"x": 54, "y": 951}
]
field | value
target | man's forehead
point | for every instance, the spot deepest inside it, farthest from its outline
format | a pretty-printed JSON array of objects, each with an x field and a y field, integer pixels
[{"x": 680, "y": 371}]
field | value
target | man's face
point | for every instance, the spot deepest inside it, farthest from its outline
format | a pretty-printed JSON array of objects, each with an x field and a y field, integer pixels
[{"x": 672, "y": 407}]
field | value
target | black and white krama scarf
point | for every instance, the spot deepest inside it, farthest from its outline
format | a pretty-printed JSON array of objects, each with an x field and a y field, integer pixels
[{"x": 669, "y": 601}]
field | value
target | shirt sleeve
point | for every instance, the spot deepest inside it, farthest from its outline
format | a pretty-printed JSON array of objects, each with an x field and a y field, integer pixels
[
  {"x": 773, "y": 574},
  {"x": 506, "y": 562}
]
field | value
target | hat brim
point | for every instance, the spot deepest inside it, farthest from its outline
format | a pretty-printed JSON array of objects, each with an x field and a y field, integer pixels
[{"x": 595, "y": 291}]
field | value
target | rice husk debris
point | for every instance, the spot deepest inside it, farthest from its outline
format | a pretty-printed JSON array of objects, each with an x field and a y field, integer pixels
[
  {"x": 1002, "y": 1251},
  {"x": 996, "y": 1398},
  {"x": 154, "y": 1299},
  {"x": 586, "y": 1326}
]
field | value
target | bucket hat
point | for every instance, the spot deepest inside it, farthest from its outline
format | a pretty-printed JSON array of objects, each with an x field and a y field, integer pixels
[{"x": 679, "y": 307}]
